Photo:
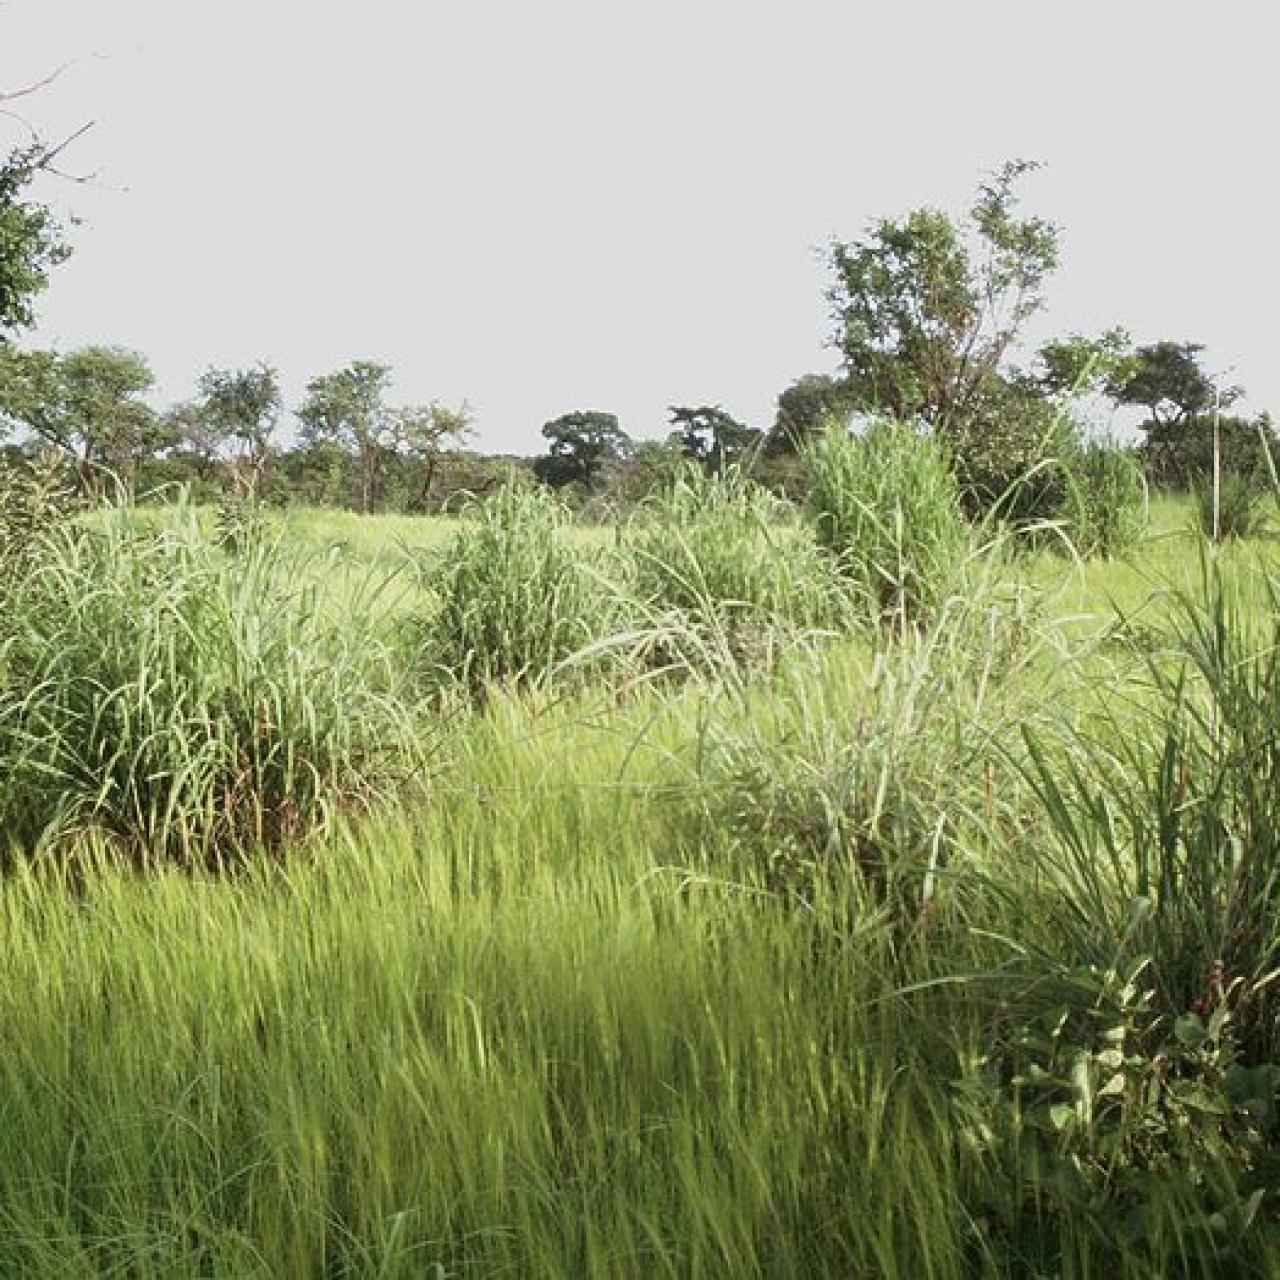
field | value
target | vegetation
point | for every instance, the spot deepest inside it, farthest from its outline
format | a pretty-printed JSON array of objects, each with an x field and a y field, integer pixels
[{"x": 842, "y": 886}]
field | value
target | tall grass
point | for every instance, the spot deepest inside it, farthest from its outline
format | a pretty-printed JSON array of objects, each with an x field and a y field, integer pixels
[
  {"x": 940, "y": 950},
  {"x": 513, "y": 597},
  {"x": 721, "y": 570},
  {"x": 886, "y": 505},
  {"x": 188, "y": 705}
]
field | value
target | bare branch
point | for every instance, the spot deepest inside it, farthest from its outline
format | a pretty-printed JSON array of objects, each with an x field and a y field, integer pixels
[{"x": 27, "y": 90}]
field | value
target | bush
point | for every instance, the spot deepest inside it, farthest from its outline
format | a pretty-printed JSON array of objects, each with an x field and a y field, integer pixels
[
  {"x": 886, "y": 505},
  {"x": 185, "y": 706},
  {"x": 1106, "y": 500},
  {"x": 513, "y": 597},
  {"x": 730, "y": 560}
]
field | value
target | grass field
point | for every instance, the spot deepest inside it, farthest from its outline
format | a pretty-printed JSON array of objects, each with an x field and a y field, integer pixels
[{"x": 798, "y": 949}]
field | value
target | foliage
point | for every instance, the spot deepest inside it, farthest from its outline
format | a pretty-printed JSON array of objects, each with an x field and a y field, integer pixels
[
  {"x": 34, "y": 499},
  {"x": 722, "y": 573},
  {"x": 185, "y": 706},
  {"x": 711, "y": 436},
  {"x": 349, "y": 408},
  {"x": 1243, "y": 508},
  {"x": 585, "y": 447},
  {"x": 1106, "y": 499},
  {"x": 512, "y": 599},
  {"x": 805, "y": 409},
  {"x": 886, "y": 505},
  {"x": 87, "y": 404},
  {"x": 923, "y": 321},
  {"x": 1167, "y": 379},
  {"x": 421, "y": 434},
  {"x": 31, "y": 242},
  {"x": 241, "y": 408}
]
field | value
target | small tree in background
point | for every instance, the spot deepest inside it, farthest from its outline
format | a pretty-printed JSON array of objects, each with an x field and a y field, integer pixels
[
  {"x": 711, "y": 437},
  {"x": 241, "y": 408},
  {"x": 86, "y": 404},
  {"x": 349, "y": 408},
  {"x": 423, "y": 434}
]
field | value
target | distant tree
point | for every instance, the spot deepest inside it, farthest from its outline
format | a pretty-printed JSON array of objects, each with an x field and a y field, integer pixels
[
  {"x": 423, "y": 434},
  {"x": 195, "y": 436},
  {"x": 804, "y": 410},
  {"x": 709, "y": 435},
  {"x": 240, "y": 409},
  {"x": 349, "y": 407},
  {"x": 87, "y": 404},
  {"x": 1168, "y": 380},
  {"x": 584, "y": 446},
  {"x": 926, "y": 311}
]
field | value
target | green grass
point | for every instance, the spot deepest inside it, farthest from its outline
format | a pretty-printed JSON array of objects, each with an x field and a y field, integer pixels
[{"x": 786, "y": 972}]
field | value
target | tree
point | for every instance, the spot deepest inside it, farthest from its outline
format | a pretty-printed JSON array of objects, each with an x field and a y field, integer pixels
[
  {"x": 422, "y": 432},
  {"x": 31, "y": 242},
  {"x": 584, "y": 444},
  {"x": 349, "y": 407},
  {"x": 87, "y": 404},
  {"x": 1081, "y": 365},
  {"x": 805, "y": 408},
  {"x": 1167, "y": 380},
  {"x": 709, "y": 435},
  {"x": 241, "y": 408},
  {"x": 926, "y": 311}
]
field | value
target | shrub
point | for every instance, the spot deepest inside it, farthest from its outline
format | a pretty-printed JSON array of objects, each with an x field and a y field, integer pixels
[
  {"x": 886, "y": 505},
  {"x": 185, "y": 706},
  {"x": 728, "y": 559},
  {"x": 513, "y": 597},
  {"x": 1106, "y": 500}
]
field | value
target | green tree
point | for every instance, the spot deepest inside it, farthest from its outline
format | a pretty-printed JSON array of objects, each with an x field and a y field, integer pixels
[
  {"x": 241, "y": 408},
  {"x": 349, "y": 407},
  {"x": 585, "y": 445},
  {"x": 805, "y": 409},
  {"x": 1168, "y": 380},
  {"x": 928, "y": 311},
  {"x": 31, "y": 243},
  {"x": 423, "y": 434},
  {"x": 709, "y": 435},
  {"x": 87, "y": 404}
]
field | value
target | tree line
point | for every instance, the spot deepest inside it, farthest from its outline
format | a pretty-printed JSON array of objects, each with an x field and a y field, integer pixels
[{"x": 929, "y": 313}]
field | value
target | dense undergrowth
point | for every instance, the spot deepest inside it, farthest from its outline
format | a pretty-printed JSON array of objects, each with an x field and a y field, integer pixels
[{"x": 756, "y": 893}]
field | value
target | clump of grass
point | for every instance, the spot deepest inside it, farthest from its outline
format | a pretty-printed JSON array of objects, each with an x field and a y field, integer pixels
[
  {"x": 1105, "y": 501},
  {"x": 1244, "y": 508},
  {"x": 187, "y": 707},
  {"x": 513, "y": 598},
  {"x": 1165, "y": 816},
  {"x": 719, "y": 560},
  {"x": 881, "y": 772},
  {"x": 886, "y": 505}
]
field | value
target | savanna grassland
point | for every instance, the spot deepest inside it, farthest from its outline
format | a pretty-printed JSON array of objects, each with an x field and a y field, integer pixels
[{"x": 739, "y": 890}]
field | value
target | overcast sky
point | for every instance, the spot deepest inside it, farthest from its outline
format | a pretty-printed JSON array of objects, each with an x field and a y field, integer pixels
[{"x": 552, "y": 204}]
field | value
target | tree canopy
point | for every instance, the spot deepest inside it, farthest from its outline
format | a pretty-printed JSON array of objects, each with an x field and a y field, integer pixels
[{"x": 583, "y": 444}]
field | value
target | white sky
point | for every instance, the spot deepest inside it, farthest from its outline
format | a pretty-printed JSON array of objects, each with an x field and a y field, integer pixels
[{"x": 568, "y": 204}]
